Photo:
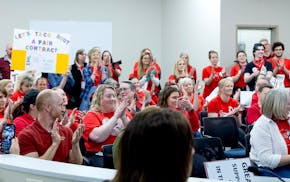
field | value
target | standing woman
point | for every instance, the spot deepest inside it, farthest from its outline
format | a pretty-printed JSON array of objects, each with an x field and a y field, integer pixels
[
  {"x": 191, "y": 71},
  {"x": 103, "y": 122},
  {"x": 270, "y": 143},
  {"x": 93, "y": 77},
  {"x": 114, "y": 70},
  {"x": 237, "y": 71},
  {"x": 212, "y": 74},
  {"x": 148, "y": 74},
  {"x": 180, "y": 71},
  {"x": 76, "y": 70}
]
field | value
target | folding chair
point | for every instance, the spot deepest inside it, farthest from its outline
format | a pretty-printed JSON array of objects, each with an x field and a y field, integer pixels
[{"x": 226, "y": 129}]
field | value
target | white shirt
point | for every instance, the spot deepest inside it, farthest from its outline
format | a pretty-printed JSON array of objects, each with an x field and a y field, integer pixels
[{"x": 267, "y": 143}]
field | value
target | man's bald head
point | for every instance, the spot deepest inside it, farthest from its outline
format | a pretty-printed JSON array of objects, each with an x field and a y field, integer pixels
[{"x": 44, "y": 98}]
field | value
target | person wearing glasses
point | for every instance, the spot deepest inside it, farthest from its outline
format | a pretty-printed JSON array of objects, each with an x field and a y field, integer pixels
[
  {"x": 280, "y": 64},
  {"x": 103, "y": 122}
]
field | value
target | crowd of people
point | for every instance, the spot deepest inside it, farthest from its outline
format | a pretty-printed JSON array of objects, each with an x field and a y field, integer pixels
[{"x": 55, "y": 113}]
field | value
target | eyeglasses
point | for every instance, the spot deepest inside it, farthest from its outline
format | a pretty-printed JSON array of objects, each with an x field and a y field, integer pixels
[{"x": 278, "y": 49}]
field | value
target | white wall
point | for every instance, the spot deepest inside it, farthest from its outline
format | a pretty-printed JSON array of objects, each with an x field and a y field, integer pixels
[
  {"x": 252, "y": 12},
  {"x": 191, "y": 26},
  {"x": 136, "y": 23}
]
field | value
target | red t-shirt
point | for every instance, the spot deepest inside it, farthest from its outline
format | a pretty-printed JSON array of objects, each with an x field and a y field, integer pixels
[
  {"x": 201, "y": 102},
  {"x": 217, "y": 105},
  {"x": 114, "y": 75},
  {"x": 193, "y": 119},
  {"x": 171, "y": 78},
  {"x": 254, "y": 98},
  {"x": 287, "y": 65},
  {"x": 150, "y": 84},
  {"x": 34, "y": 138},
  {"x": 253, "y": 113},
  {"x": 240, "y": 82},
  {"x": 190, "y": 69},
  {"x": 206, "y": 72},
  {"x": 92, "y": 120},
  {"x": 22, "y": 122},
  {"x": 17, "y": 95},
  {"x": 284, "y": 128},
  {"x": 98, "y": 78}
]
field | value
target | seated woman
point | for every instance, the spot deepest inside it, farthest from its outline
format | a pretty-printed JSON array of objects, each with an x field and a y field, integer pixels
[
  {"x": 254, "y": 111},
  {"x": 270, "y": 144},
  {"x": 190, "y": 90},
  {"x": 146, "y": 148},
  {"x": 224, "y": 105},
  {"x": 103, "y": 122},
  {"x": 170, "y": 98}
]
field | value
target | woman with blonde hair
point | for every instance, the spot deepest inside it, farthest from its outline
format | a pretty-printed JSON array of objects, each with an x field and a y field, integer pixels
[
  {"x": 25, "y": 83},
  {"x": 148, "y": 74},
  {"x": 93, "y": 75},
  {"x": 191, "y": 71},
  {"x": 8, "y": 86},
  {"x": 224, "y": 105},
  {"x": 103, "y": 122},
  {"x": 179, "y": 71}
]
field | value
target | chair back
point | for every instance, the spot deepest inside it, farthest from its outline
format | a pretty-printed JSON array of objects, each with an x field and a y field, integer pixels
[
  {"x": 209, "y": 147},
  {"x": 223, "y": 127},
  {"x": 108, "y": 156},
  {"x": 202, "y": 114},
  {"x": 248, "y": 145}
]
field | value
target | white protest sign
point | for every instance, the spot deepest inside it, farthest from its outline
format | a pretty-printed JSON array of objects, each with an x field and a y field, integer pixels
[
  {"x": 233, "y": 169},
  {"x": 41, "y": 51}
]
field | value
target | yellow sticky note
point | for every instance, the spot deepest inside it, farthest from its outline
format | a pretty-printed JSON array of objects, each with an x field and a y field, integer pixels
[
  {"x": 62, "y": 61},
  {"x": 18, "y": 60}
]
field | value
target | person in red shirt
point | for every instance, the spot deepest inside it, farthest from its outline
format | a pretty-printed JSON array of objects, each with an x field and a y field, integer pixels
[
  {"x": 280, "y": 64},
  {"x": 30, "y": 111},
  {"x": 261, "y": 79},
  {"x": 170, "y": 98},
  {"x": 237, "y": 71},
  {"x": 254, "y": 111},
  {"x": 191, "y": 71},
  {"x": 190, "y": 90},
  {"x": 103, "y": 122},
  {"x": 212, "y": 74},
  {"x": 127, "y": 92},
  {"x": 25, "y": 84},
  {"x": 224, "y": 105},
  {"x": 179, "y": 71},
  {"x": 148, "y": 72},
  {"x": 46, "y": 138}
]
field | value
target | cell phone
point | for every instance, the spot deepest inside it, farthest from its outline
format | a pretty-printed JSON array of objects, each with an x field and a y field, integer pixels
[{"x": 8, "y": 133}]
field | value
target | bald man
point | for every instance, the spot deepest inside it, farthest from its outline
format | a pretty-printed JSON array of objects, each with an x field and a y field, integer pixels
[
  {"x": 46, "y": 138},
  {"x": 5, "y": 63}
]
